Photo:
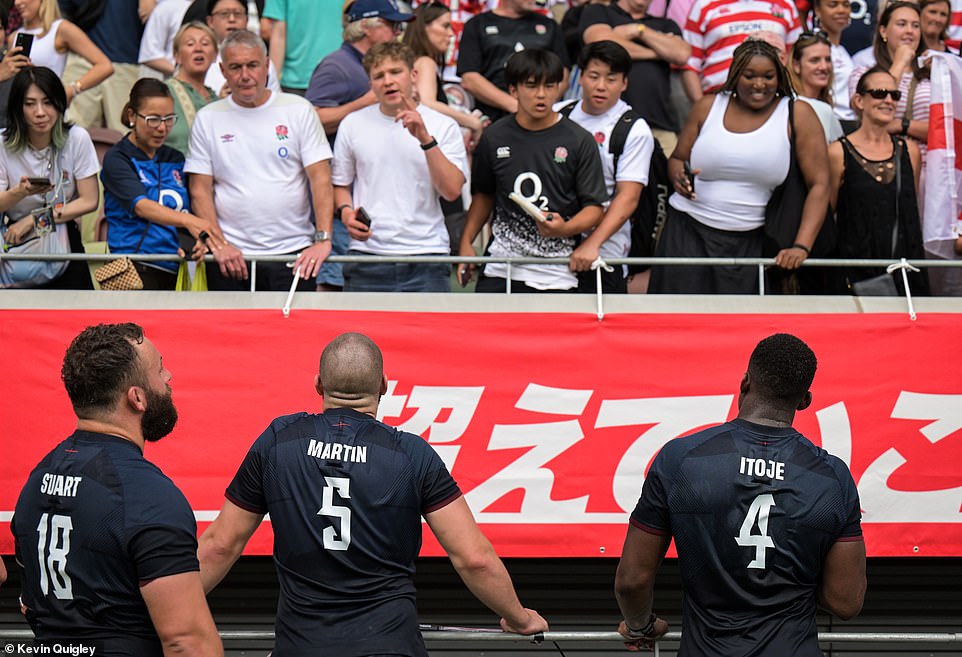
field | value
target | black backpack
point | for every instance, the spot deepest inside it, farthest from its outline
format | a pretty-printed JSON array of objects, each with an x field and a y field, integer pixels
[{"x": 649, "y": 216}]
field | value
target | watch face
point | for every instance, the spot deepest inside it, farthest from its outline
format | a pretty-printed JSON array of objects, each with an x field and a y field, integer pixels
[{"x": 322, "y": 236}]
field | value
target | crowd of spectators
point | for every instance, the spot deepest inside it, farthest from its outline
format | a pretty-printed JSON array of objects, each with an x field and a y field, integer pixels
[{"x": 527, "y": 128}]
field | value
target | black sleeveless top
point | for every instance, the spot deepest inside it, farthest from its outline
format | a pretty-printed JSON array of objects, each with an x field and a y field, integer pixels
[{"x": 866, "y": 214}]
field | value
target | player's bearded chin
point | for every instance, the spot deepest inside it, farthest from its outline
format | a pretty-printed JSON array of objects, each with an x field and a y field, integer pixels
[{"x": 160, "y": 416}]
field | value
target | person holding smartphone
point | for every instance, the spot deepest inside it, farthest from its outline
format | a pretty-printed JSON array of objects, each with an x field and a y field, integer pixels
[{"x": 48, "y": 178}]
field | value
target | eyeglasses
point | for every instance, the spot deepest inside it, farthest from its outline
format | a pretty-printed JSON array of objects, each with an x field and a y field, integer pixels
[
  {"x": 154, "y": 121},
  {"x": 879, "y": 94},
  {"x": 810, "y": 36},
  {"x": 230, "y": 13}
]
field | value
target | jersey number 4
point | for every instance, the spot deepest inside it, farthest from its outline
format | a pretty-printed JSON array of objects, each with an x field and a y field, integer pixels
[
  {"x": 53, "y": 553},
  {"x": 328, "y": 508},
  {"x": 757, "y": 514}
]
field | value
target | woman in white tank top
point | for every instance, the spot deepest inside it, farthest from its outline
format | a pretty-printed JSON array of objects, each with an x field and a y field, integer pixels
[
  {"x": 737, "y": 143},
  {"x": 54, "y": 38}
]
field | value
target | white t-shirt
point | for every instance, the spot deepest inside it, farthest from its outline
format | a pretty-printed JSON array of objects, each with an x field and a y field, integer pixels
[
  {"x": 842, "y": 67},
  {"x": 257, "y": 158},
  {"x": 157, "y": 41},
  {"x": 391, "y": 179},
  {"x": 77, "y": 161},
  {"x": 827, "y": 117},
  {"x": 215, "y": 78},
  {"x": 633, "y": 165}
]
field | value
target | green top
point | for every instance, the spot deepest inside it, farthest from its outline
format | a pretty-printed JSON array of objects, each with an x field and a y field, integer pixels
[
  {"x": 313, "y": 32},
  {"x": 179, "y": 136}
]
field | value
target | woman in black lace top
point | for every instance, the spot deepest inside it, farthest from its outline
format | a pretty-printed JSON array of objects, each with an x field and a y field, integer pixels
[{"x": 874, "y": 183}]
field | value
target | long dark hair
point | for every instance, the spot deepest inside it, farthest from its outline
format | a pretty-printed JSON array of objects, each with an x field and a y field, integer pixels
[
  {"x": 143, "y": 89},
  {"x": 752, "y": 47},
  {"x": 15, "y": 137},
  {"x": 416, "y": 36},
  {"x": 880, "y": 47}
]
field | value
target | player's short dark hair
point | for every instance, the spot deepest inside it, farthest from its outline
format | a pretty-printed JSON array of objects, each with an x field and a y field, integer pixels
[
  {"x": 534, "y": 65},
  {"x": 100, "y": 364},
  {"x": 782, "y": 368},
  {"x": 351, "y": 367},
  {"x": 610, "y": 53}
]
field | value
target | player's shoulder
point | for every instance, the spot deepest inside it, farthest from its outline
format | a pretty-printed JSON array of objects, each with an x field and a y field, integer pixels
[
  {"x": 717, "y": 438},
  {"x": 820, "y": 461}
]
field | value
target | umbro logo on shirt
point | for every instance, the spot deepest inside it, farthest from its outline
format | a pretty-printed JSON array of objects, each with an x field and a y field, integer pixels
[
  {"x": 503, "y": 152},
  {"x": 226, "y": 139},
  {"x": 491, "y": 29}
]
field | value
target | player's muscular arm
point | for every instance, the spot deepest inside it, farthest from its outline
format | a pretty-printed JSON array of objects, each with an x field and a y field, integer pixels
[
  {"x": 842, "y": 590},
  {"x": 222, "y": 543},
  {"x": 480, "y": 568},
  {"x": 179, "y": 612},
  {"x": 635, "y": 577}
]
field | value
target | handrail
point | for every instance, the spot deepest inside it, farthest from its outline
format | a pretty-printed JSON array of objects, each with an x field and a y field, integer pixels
[{"x": 572, "y": 636}]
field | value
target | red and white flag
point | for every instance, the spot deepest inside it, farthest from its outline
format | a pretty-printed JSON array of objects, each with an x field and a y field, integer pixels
[{"x": 942, "y": 222}]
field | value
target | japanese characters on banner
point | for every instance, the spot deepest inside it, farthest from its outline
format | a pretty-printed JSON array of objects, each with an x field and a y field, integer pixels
[{"x": 547, "y": 420}]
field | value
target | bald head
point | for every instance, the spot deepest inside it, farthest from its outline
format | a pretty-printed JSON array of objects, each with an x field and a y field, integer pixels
[{"x": 352, "y": 369}]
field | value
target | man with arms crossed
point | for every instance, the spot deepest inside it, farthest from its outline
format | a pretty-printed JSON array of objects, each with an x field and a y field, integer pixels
[
  {"x": 604, "y": 77},
  {"x": 766, "y": 524},
  {"x": 258, "y": 162},
  {"x": 107, "y": 543},
  {"x": 398, "y": 189},
  {"x": 346, "y": 494},
  {"x": 551, "y": 162}
]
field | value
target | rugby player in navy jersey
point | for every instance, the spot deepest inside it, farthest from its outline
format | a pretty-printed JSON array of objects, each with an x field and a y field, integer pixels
[
  {"x": 346, "y": 495},
  {"x": 106, "y": 542},
  {"x": 766, "y": 524}
]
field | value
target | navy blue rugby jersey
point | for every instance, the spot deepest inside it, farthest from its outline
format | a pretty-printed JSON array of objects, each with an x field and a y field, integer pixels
[
  {"x": 345, "y": 494},
  {"x": 94, "y": 522},
  {"x": 754, "y": 511}
]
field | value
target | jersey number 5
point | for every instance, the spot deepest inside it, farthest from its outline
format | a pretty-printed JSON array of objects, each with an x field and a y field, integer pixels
[
  {"x": 757, "y": 513},
  {"x": 329, "y": 508},
  {"x": 53, "y": 555}
]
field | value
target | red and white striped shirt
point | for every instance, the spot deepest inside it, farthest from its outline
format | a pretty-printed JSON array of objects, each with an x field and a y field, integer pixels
[
  {"x": 955, "y": 26},
  {"x": 716, "y": 27}
]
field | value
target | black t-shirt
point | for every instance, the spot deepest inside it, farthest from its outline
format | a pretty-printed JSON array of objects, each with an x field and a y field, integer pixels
[
  {"x": 558, "y": 169},
  {"x": 346, "y": 494},
  {"x": 753, "y": 510},
  {"x": 649, "y": 81},
  {"x": 94, "y": 521},
  {"x": 488, "y": 40}
]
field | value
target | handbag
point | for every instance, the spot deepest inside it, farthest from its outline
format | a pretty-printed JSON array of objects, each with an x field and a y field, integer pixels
[
  {"x": 883, "y": 285},
  {"x": 32, "y": 273},
  {"x": 119, "y": 274},
  {"x": 783, "y": 213}
]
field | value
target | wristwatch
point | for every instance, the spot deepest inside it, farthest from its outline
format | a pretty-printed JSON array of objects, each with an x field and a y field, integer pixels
[{"x": 321, "y": 236}]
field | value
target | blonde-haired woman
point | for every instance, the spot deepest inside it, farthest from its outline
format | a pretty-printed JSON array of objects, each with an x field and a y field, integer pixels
[
  {"x": 195, "y": 49},
  {"x": 54, "y": 38}
]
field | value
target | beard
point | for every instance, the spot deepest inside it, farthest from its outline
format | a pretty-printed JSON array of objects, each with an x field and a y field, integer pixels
[{"x": 160, "y": 417}]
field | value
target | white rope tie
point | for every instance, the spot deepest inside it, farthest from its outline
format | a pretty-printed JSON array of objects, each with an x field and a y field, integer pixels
[
  {"x": 290, "y": 295},
  {"x": 905, "y": 268},
  {"x": 596, "y": 267}
]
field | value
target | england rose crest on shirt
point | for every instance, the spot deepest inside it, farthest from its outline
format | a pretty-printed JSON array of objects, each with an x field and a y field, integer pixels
[
  {"x": 560, "y": 154},
  {"x": 281, "y": 132}
]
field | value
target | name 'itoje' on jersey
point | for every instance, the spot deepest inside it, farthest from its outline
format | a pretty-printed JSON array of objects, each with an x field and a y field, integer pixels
[
  {"x": 337, "y": 451},
  {"x": 760, "y": 468}
]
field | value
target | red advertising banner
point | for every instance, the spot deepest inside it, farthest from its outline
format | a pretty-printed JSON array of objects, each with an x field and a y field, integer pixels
[{"x": 547, "y": 420}]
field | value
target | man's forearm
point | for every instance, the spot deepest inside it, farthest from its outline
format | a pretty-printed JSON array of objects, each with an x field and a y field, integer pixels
[
  {"x": 490, "y": 583},
  {"x": 487, "y": 93}
]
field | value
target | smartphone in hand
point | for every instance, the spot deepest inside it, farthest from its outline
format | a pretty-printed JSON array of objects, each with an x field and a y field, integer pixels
[
  {"x": 691, "y": 176},
  {"x": 38, "y": 181},
  {"x": 24, "y": 41},
  {"x": 362, "y": 216}
]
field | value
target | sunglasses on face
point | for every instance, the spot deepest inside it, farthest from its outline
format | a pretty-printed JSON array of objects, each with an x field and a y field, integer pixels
[
  {"x": 879, "y": 94},
  {"x": 809, "y": 37}
]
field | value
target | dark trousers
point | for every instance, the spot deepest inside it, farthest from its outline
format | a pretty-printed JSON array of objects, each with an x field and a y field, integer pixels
[
  {"x": 612, "y": 282},
  {"x": 271, "y": 277},
  {"x": 155, "y": 278},
  {"x": 685, "y": 237},
  {"x": 498, "y": 285}
]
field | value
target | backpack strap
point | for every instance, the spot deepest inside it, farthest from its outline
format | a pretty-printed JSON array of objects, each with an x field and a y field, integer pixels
[
  {"x": 565, "y": 111},
  {"x": 619, "y": 136}
]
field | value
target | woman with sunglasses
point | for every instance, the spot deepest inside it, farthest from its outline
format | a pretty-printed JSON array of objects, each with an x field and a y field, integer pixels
[
  {"x": 897, "y": 47},
  {"x": 935, "y": 22},
  {"x": 810, "y": 69},
  {"x": 832, "y": 17},
  {"x": 429, "y": 35},
  {"x": 48, "y": 174},
  {"x": 869, "y": 168},
  {"x": 145, "y": 193},
  {"x": 732, "y": 154}
]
